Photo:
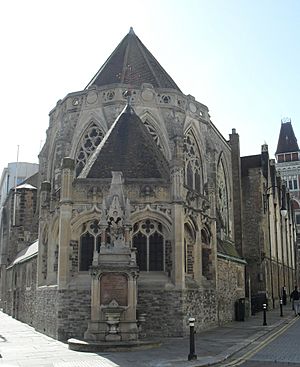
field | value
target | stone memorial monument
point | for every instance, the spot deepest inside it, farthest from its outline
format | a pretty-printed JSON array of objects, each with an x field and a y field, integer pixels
[{"x": 114, "y": 273}]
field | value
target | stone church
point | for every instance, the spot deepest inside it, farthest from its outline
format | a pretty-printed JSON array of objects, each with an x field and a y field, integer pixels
[{"x": 132, "y": 166}]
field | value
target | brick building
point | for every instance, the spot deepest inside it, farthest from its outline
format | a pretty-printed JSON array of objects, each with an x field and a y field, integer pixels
[
  {"x": 288, "y": 165},
  {"x": 268, "y": 230}
]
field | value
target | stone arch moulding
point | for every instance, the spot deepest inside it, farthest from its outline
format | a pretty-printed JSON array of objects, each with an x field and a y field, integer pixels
[
  {"x": 86, "y": 216},
  {"x": 297, "y": 203},
  {"x": 222, "y": 164},
  {"x": 160, "y": 132},
  {"x": 148, "y": 213},
  {"x": 51, "y": 154},
  {"x": 82, "y": 125},
  {"x": 223, "y": 161},
  {"x": 86, "y": 144},
  {"x": 194, "y": 162},
  {"x": 191, "y": 222}
]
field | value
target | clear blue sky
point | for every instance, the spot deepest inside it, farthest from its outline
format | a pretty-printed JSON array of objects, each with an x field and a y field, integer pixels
[{"x": 240, "y": 58}]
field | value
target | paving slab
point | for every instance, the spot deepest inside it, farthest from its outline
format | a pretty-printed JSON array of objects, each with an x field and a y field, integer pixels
[{"x": 22, "y": 346}]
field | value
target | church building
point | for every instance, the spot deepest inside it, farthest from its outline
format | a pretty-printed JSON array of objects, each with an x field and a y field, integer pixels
[{"x": 137, "y": 205}]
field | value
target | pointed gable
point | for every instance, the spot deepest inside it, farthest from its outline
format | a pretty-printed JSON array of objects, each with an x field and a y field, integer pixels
[
  {"x": 287, "y": 141},
  {"x": 127, "y": 147},
  {"x": 131, "y": 63}
]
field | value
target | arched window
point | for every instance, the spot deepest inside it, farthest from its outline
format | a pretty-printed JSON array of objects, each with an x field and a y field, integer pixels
[
  {"x": 189, "y": 243},
  {"x": 206, "y": 254},
  {"x": 149, "y": 242},
  {"x": 89, "y": 241},
  {"x": 89, "y": 142},
  {"x": 192, "y": 160},
  {"x": 222, "y": 201}
]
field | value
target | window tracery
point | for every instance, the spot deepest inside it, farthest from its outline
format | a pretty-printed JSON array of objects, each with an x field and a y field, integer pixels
[
  {"x": 192, "y": 160},
  {"x": 90, "y": 241},
  {"x": 153, "y": 133},
  {"x": 149, "y": 242},
  {"x": 89, "y": 142},
  {"x": 222, "y": 201}
]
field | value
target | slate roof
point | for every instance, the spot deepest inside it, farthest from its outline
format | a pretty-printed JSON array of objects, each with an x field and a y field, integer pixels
[
  {"x": 26, "y": 254},
  {"x": 132, "y": 64},
  {"x": 127, "y": 147},
  {"x": 227, "y": 248},
  {"x": 287, "y": 141}
]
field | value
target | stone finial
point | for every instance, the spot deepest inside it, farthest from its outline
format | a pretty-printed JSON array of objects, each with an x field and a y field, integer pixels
[
  {"x": 264, "y": 148},
  {"x": 131, "y": 31}
]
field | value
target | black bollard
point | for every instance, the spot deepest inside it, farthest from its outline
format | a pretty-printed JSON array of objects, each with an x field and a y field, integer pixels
[
  {"x": 192, "y": 356},
  {"x": 281, "y": 313},
  {"x": 265, "y": 314}
]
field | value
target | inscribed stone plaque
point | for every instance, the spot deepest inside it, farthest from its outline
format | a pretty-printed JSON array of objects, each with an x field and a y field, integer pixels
[{"x": 114, "y": 286}]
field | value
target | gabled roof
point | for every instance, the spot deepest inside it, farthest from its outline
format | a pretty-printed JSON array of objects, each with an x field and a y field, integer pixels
[
  {"x": 132, "y": 64},
  {"x": 26, "y": 254},
  {"x": 127, "y": 147},
  {"x": 287, "y": 141},
  {"x": 26, "y": 186}
]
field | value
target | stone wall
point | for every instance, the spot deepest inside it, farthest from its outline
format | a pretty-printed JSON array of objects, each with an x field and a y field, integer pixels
[
  {"x": 200, "y": 304},
  {"x": 163, "y": 309},
  {"x": 46, "y": 310},
  {"x": 167, "y": 311},
  {"x": 74, "y": 312},
  {"x": 230, "y": 287}
]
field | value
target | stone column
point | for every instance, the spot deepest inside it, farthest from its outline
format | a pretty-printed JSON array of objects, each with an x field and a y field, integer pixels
[
  {"x": 44, "y": 218},
  {"x": 178, "y": 258},
  {"x": 64, "y": 222},
  {"x": 178, "y": 274}
]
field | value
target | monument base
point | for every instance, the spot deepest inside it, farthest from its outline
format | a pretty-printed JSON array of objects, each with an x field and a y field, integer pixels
[{"x": 117, "y": 346}]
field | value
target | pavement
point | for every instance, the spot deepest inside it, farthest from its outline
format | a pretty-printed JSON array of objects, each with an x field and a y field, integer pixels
[{"x": 21, "y": 345}]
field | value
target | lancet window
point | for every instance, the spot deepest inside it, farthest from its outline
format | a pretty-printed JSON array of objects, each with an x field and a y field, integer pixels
[
  {"x": 206, "y": 254},
  {"x": 189, "y": 243},
  {"x": 192, "y": 160},
  {"x": 89, "y": 142},
  {"x": 149, "y": 241},
  {"x": 90, "y": 241},
  {"x": 222, "y": 200}
]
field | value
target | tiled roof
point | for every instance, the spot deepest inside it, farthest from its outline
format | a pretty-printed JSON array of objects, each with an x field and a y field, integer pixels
[
  {"x": 127, "y": 147},
  {"x": 132, "y": 64},
  {"x": 287, "y": 141}
]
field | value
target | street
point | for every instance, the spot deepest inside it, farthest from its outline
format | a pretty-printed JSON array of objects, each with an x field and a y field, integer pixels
[{"x": 281, "y": 350}]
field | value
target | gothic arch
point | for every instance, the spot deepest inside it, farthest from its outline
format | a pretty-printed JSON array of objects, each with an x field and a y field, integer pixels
[
  {"x": 86, "y": 143},
  {"x": 153, "y": 215},
  {"x": 206, "y": 253},
  {"x": 52, "y": 153},
  {"x": 295, "y": 202},
  {"x": 194, "y": 170},
  {"x": 156, "y": 131},
  {"x": 81, "y": 127},
  {"x": 82, "y": 218},
  {"x": 223, "y": 197},
  {"x": 189, "y": 248}
]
